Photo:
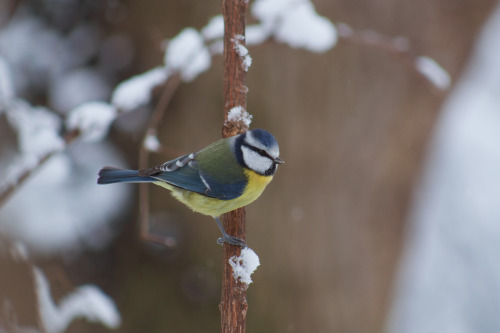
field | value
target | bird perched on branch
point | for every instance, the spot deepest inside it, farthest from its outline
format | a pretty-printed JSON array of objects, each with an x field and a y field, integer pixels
[{"x": 226, "y": 175}]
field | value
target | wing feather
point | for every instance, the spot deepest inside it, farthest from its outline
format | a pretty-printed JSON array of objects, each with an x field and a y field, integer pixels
[{"x": 189, "y": 173}]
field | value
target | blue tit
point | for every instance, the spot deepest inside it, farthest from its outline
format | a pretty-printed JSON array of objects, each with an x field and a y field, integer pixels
[{"x": 226, "y": 175}]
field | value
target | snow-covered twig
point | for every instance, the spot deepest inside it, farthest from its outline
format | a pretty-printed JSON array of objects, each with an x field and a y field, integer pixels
[
  {"x": 87, "y": 302},
  {"x": 293, "y": 22},
  {"x": 400, "y": 48},
  {"x": 165, "y": 98},
  {"x": 16, "y": 181},
  {"x": 186, "y": 57}
]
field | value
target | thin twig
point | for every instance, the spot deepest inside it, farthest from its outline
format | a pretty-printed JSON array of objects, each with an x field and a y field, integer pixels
[
  {"x": 399, "y": 48},
  {"x": 14, "y": 186},
  {"x": 166, "y": 97}
]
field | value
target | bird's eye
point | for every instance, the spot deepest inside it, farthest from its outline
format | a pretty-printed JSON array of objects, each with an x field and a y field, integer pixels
[{"x": 262, "y": 152}]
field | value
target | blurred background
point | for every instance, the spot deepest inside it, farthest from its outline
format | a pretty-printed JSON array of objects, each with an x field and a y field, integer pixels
[{"x": 383, "y": 219}]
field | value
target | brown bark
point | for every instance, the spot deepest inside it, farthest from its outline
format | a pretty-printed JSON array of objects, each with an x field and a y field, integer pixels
[{"x": 233, "y": 304}]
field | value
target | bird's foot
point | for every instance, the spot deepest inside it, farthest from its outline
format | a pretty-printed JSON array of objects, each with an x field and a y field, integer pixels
[{"x": 232, "y": 240}]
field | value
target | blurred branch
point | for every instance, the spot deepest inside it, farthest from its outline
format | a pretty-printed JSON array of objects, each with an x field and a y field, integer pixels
[
  {"x": 165, "y": 99},
  {"x": 9, "y": 190},
  {"x": 398, "y": 47},
  {"x": 233, "y": 306}
]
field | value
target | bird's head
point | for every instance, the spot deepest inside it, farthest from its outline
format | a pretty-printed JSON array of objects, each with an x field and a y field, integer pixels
[{"x": 258, "y": 150}]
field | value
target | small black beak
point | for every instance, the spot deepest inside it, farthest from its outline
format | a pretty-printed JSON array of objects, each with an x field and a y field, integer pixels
[{"x": 278, "y": 160}]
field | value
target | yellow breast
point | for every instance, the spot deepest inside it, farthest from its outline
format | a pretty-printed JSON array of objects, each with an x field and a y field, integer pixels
[
  {"x": 215, "y": 207},
  {"x": 256, "y": 185}
]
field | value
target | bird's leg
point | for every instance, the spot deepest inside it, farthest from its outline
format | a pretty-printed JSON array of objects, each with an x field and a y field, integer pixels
[{"x": 228, "y": 239}]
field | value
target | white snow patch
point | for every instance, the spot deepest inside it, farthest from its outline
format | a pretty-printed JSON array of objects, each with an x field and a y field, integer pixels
[
  {"x": 136, "y": 91},
  {"x": 433, "y": 72},
  {"x": 450, "y": 265},
  {"x": 217, "y": 47},
  {"x": 33, "y": 50},
  {"x": 6, "y": 84},
  {"x": 92, "y": 119},
  {"x": 58, "y": 221},
  {"x": 73, "y": 88},
  {"x": 256, "y": 34},
  {"x": 152, "y": 143},
  {"x": 303, "y": 27},
  {"x": 37, "y": 130},
  {"x": 246, "y": 59},
  {"x": 87, "y": 302},
  {"x": 244, "y": 265},
  {"x": 188, "y": 54},
  {"x": 296, "y": 23},
  {"x": 270, "y": 11},
  {"x": 214, "y": 29},
  {"x": 19, "y": 251},
  {"x": 238, "y": 113}
]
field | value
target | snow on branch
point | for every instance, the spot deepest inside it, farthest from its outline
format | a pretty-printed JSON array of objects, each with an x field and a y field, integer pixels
[
  {"x": 244, "y": 265},
  {"x": 136, "y": 91},
  {"x": 293, "y": 22},
  {"x": 37, "y": 135},
  {"x": 239, "y": 114},
  {"x": 37, "y": 128},
  {"x": 92, "y": 120},
  {"x": 433, "y": 72},
  {"x": 86, "y": 301},
  {"x": 151, "y": 142},
  {"x": 214, "y": 29},
  {"x": 400, "y": 48},
  {"x": 38, "y": 139},
  {"x": 6, "y": 84},
  {"x": 188, "y": 54},
  {"x": 246, "y": 59}
]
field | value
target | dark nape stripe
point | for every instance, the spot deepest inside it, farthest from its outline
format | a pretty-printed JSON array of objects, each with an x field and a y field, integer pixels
[{"x": 237, "y": 149}]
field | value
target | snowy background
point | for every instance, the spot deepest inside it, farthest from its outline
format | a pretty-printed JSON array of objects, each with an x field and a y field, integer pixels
[
  {"x": 384, "y": 218},
  {"x": 450, "y": 276}
]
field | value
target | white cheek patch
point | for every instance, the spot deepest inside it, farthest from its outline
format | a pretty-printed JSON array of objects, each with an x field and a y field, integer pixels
[{"x": 256, "y": 162}]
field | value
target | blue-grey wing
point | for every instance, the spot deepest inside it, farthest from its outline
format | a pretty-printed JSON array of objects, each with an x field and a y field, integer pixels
[{"x": 186, "y": 173}]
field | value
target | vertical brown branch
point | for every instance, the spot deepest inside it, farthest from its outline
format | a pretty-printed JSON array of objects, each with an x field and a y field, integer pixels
[{"x": 233, "y": 306}]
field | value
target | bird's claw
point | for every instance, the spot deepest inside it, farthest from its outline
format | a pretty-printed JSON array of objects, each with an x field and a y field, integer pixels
[{"x": 232, "y": 240}]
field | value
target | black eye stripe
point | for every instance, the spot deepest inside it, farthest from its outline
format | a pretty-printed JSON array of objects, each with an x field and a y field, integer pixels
[
  {"x": 259, "y": 151},
  {"x": 262, "y": 152},
  {"x": 270, "y": 171}
]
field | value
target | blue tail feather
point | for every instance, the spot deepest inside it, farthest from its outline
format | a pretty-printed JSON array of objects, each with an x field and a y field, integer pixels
[{"x": 109, "y": 175}]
